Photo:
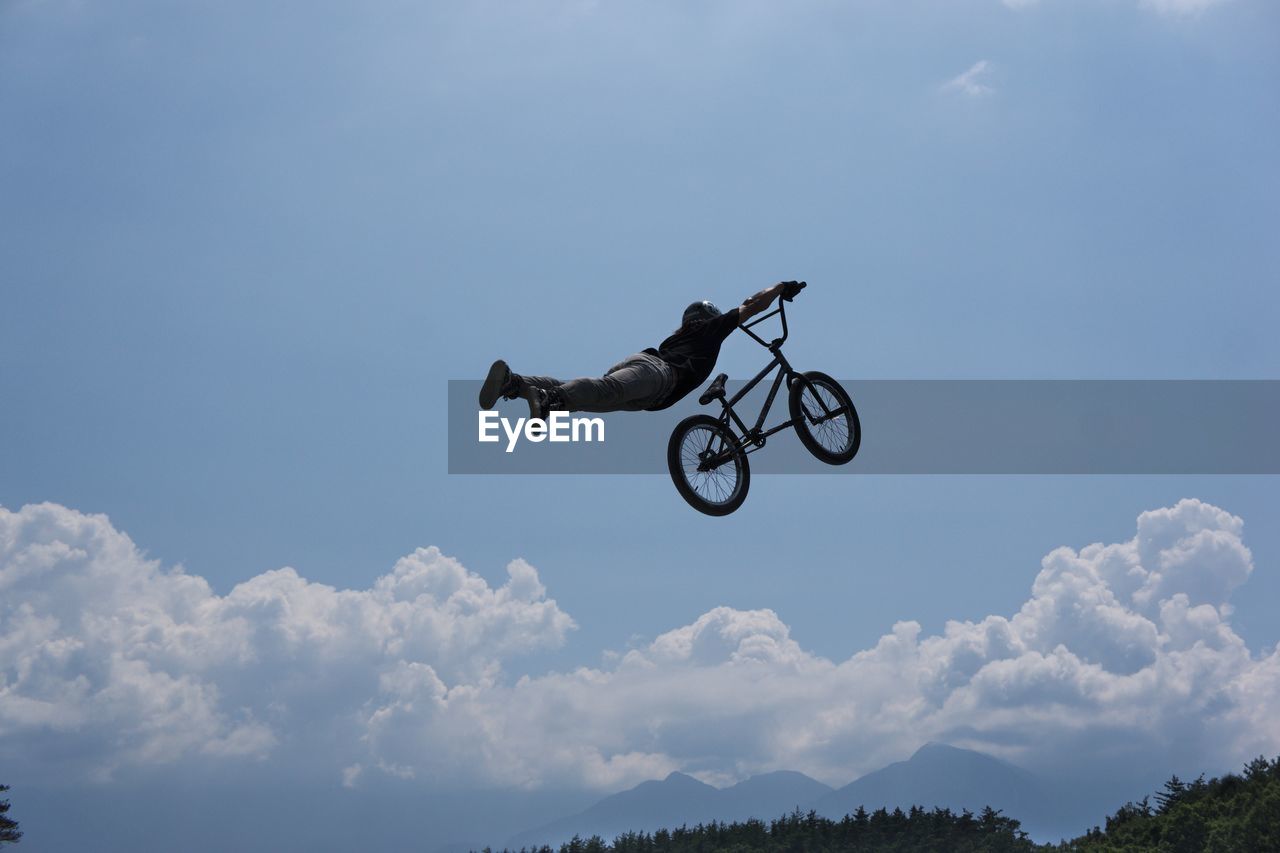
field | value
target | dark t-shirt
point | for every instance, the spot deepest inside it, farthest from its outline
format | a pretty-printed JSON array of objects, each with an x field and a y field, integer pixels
[{"x": 692, "y": 351}]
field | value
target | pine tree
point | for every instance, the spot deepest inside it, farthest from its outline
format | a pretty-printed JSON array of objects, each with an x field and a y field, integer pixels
[
  {"x": 1174, "y": 790},
  {"x": 9, "y": 833}
]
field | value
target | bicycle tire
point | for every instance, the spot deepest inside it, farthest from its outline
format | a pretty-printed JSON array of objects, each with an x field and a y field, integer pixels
[
  {"x": 813, "y": 382},
  {"x": 679, "y": 456}
]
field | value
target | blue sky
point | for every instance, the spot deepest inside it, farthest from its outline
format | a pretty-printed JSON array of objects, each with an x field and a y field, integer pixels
[{"x": 242, "y": 248}]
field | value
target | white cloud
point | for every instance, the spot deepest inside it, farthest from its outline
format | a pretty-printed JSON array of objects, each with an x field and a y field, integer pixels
[
  {"x": 1164, "y": 7},
  {"x": 1121, "y": 654},
  {"x": 970, "y": 82},
  {"x": 1178, "y": 7},
  {"x": 101, "y": 647}
]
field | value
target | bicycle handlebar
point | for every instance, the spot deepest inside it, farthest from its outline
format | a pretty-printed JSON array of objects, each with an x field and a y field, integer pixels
[{"x": 791, "y": 289}]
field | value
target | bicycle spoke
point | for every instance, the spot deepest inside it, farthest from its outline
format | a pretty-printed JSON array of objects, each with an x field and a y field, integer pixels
[
  {"x": 831, "y": 429},
  {"x": 716, "y": 485}
]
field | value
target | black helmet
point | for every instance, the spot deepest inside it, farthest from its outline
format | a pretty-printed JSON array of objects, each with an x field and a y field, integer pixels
[{"x": 703, "y": 310}]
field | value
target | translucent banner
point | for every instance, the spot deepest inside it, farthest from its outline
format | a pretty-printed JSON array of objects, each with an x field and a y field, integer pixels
[{"x": 916, "y": 427}]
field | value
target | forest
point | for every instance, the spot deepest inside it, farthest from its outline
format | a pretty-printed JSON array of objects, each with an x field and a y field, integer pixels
[{"x": 1234, "y": 813}]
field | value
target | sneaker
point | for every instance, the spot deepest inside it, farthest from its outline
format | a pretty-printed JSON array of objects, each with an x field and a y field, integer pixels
[{"x": 500, "y": 382}]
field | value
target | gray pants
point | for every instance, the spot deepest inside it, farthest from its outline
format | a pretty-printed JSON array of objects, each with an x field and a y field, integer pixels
[{"x": 633, "y": 384}]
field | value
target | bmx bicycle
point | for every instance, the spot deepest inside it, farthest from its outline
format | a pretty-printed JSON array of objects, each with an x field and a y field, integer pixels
[{"x": 707, "y": 458}]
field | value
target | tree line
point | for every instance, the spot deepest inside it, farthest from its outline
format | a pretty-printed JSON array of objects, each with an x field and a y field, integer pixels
[
  {"x": 1233, "y": 813},
  {"x": 912, "y": 830},
  {"x": 1237, "y": 813}
]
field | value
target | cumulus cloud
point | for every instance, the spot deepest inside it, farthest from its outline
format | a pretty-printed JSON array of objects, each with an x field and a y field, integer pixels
[
  {"x": 1122, "y": 653},
  {"x": 970, "y": 82},
  {"x": 107, "y": 657},
  {"x": 1165, "y": 7},
  {"x": 1179, "y": 7}
]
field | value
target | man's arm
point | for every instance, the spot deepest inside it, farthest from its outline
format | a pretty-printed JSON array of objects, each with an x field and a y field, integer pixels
[{"x": 762, "y": 300}]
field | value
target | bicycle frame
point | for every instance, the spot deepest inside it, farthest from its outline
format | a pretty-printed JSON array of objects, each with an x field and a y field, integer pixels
[
  {"x": 756, "y": 434},
  {"x": 707, "y": 453},
  {"x": 724, "y": 444}
]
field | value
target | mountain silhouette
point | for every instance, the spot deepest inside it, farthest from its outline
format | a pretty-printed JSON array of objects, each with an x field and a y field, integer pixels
[
  {"x": 676, "y": 800},
  {"x": 937, "y": 775},
  {"x": 948, "y": 777},
  {"x": 770, "y": 795}
]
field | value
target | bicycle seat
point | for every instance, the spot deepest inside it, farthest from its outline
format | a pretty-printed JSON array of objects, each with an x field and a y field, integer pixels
[{"x": 715, "y": 391}]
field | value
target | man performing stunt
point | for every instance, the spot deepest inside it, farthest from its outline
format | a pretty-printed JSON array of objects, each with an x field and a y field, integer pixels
[{"x": 650, "y": 380}]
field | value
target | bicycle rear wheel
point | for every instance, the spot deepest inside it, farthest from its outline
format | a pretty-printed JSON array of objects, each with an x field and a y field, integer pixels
[
  {"x": 824, "y": 418},
  {"x": 707, "y": 465}
]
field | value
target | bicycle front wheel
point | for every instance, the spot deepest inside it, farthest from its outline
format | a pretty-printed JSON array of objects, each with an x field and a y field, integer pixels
[
  {"x": 824, "y": 418},
  {"x": 707, "y": 465}
]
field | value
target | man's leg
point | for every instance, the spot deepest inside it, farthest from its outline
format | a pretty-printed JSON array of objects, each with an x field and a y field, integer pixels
[
  {"x": 501, "y": 382},
  {"x": 542, "y": 393},
  {"x": 632, "y": 385},
  {"x": 542, "y": 381}
]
